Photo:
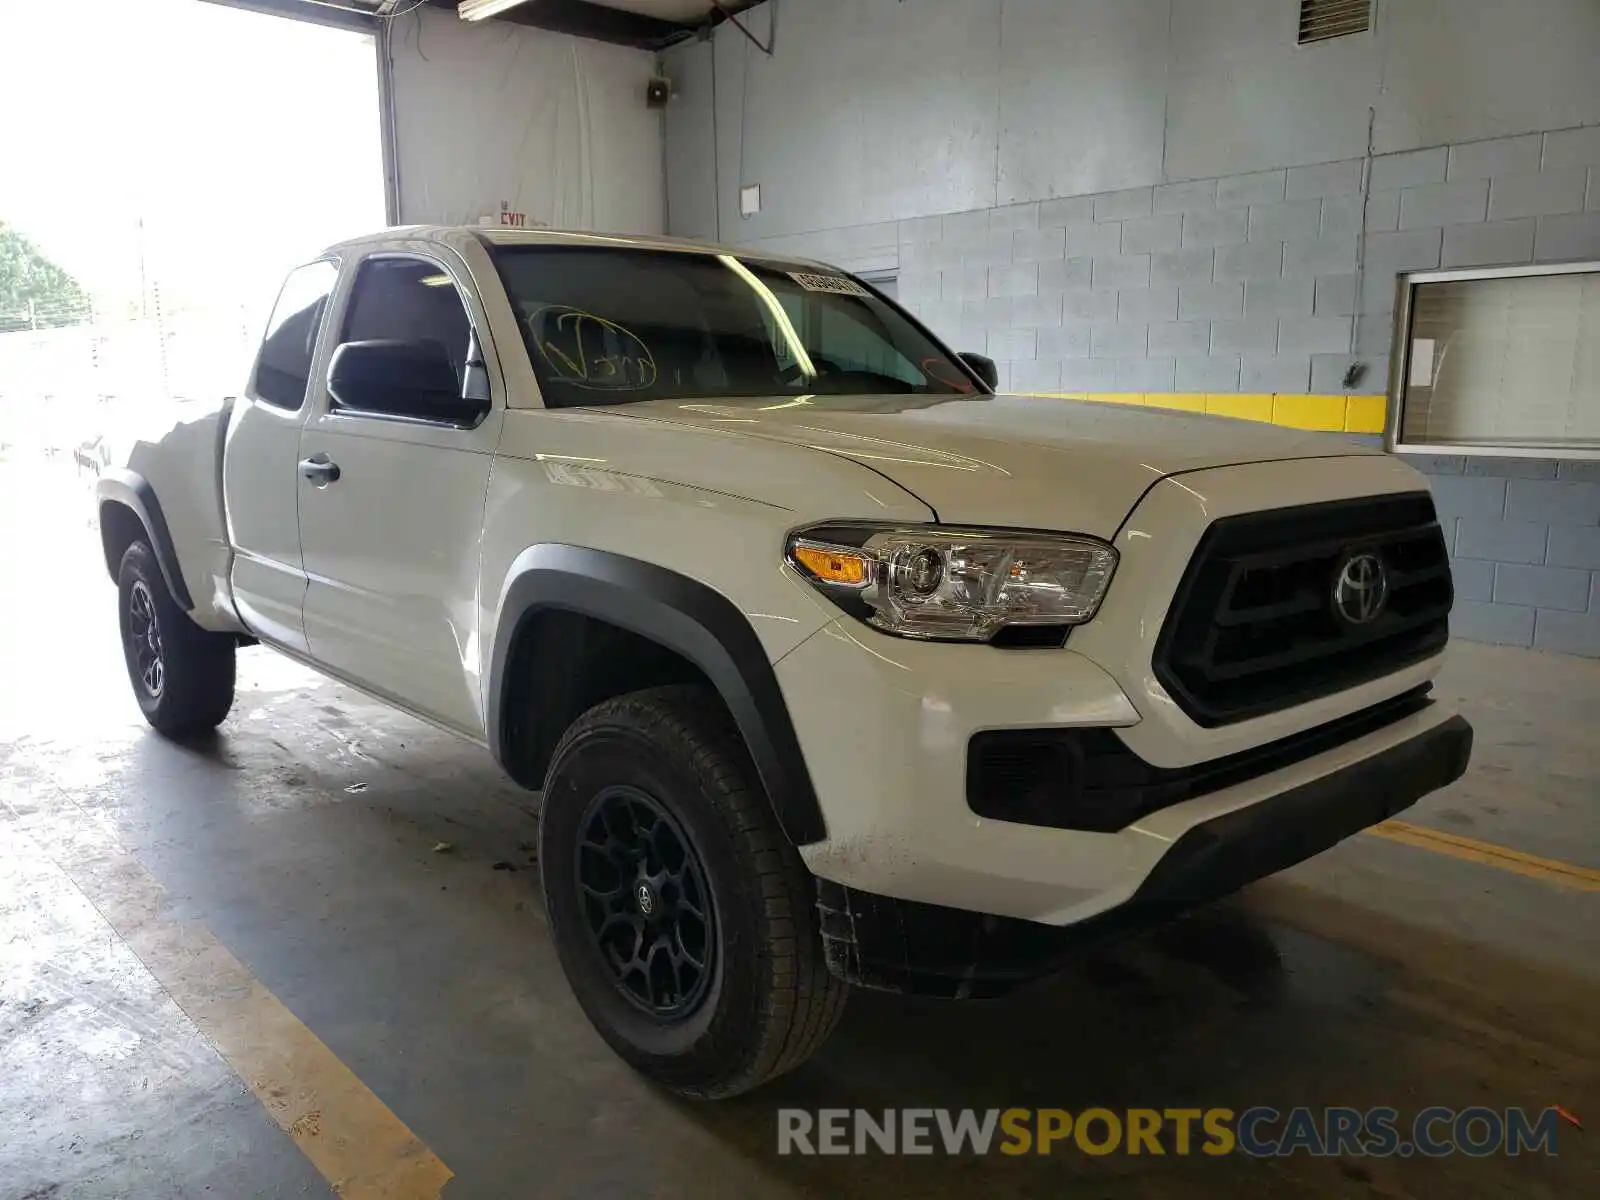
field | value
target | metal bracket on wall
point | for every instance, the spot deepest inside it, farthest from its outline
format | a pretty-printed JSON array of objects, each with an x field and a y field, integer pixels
[{"x": 740, "y": 26}]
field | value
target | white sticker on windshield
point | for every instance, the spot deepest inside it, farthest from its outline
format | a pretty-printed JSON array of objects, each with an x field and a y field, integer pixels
[{"x": 837, "y": 284}]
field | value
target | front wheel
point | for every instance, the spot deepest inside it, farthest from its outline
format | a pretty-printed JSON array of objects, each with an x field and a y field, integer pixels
[
  {"x": 182, "y": 675},
  {"x": 685, "y": 921}
]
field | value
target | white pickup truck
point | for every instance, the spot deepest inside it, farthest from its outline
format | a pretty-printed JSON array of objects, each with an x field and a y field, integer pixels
[{"x": 833, "y": 666}]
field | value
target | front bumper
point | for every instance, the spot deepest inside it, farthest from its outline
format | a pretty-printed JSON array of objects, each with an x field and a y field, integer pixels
[
  {"x": 885, "y": 725},
  {"x": 900, "y": 945}
]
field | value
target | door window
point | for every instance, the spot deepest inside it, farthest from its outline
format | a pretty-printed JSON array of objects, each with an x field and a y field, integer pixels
[
  {"x": 283, "y": 367},
  {"x": 407, "y": 299}
]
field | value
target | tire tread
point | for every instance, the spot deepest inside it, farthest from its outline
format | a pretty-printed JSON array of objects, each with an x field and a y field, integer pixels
[
  {"x": 803, "y": 999},
  {"x": 199, "y": 665}
]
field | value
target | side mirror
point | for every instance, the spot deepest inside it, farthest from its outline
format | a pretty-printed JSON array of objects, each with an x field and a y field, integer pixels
[
  {"x": 983, "y": 367},
  {"x": 403, "y": 379}
]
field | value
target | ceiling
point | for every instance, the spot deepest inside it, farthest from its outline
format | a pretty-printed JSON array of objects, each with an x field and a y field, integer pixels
[
  {"x": 647, "y": 24},
  {"x": 688, "y": 12}
]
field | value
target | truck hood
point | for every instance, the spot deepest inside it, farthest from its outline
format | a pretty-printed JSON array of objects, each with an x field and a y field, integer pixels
[{"x": 1021, "y": 461}]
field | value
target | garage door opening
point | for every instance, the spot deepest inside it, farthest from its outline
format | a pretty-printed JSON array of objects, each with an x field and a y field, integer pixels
[{"x": 157, "y": 192}]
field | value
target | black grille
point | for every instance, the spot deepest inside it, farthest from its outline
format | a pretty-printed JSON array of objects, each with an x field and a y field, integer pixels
[
  {"x": 1253, "y": 626},
  {"x": 1088, "y": 779}
]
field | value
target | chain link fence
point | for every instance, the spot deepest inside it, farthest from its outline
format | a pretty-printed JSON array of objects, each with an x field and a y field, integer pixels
[{"x": 75, "y": 382}]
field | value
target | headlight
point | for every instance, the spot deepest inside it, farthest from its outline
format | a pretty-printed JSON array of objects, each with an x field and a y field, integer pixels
[{"x": 959, "y": 584}]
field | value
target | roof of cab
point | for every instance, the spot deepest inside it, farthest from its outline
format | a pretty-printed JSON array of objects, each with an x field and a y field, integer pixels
[{"x": 498, "y": 236}]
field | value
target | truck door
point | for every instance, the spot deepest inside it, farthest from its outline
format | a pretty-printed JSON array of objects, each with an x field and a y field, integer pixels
[
  {"x": 260, "y": 462},
  {"x": 392, "y": 503}
]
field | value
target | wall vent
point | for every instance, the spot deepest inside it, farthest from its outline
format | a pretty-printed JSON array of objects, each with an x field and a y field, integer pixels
[{"x": 1324, "y": 19}]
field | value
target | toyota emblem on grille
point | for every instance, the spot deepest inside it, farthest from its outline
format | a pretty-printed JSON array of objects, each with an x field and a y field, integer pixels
[{"x": 1361, "y": 589}]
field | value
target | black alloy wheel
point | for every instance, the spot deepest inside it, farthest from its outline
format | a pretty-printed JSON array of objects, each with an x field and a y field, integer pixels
[
  {"x": 642, "y": 890},
  {"x": 144, "y": 640}
]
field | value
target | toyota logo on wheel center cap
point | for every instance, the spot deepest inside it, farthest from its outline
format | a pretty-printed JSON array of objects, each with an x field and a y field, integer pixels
[
  {"x": 645, "y": 897},
  {"x": 1361, "y": 589}
]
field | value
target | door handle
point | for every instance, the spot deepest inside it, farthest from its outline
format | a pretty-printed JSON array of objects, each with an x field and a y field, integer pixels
[{"x": 320, "y": 470}]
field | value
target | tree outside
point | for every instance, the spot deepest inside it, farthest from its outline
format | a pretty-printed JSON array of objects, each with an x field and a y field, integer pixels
[{"x": 34, "y": 292}]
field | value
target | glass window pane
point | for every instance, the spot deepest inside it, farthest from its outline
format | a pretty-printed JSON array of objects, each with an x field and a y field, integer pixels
[
  {"x": 408, "y": 299},
  {"x": 283, "y": 367},
  {"x": 1510, "y": 361},
  {"x": 608, "y": 326}
]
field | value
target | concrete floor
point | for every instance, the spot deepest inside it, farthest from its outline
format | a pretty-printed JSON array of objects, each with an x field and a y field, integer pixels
[{"x": 299, "y": 847}]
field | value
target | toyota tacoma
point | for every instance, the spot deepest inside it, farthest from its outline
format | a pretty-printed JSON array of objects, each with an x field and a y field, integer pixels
[{"x": 833, "y": 667}]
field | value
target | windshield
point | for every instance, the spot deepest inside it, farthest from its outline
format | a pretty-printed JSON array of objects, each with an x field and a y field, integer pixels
[{"x": 614, "y": 326}]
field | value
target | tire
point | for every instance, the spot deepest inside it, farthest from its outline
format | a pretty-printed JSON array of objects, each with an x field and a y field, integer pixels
[
  {"x": 183, "y": 679},
  {"x": 763, "y": 1001}
]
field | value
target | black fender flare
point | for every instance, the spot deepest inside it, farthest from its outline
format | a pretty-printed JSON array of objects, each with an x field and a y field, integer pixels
[
  {"x": 118, "y": 485},
  {"x": 686, "y": 617}
]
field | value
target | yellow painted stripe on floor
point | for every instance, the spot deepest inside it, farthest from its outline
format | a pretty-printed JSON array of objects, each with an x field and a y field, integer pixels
[
  {"x": 351, "y": 1137},
  {"x": 1326, "y": 413},
  {"x": 1550, "y": 870}
]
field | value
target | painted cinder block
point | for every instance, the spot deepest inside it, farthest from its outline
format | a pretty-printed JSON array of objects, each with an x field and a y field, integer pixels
[
  {"x": 1444, "y": 204},
  {"x": 1257, "y": 260},
  {"x": 1542, "y": 587},
  {"x": 1119, "y": 206},
  {"x": 1489, "y": 243},
  {"x": 1501, "y": 541},
  {"x": 1569, "y": 633},
  {"x": 1221, "y": 227},
  {"x": 1497, "y": 156},
  {"x": 1260, "y": 187},
  {"x": 1182, "y": 266},
  {"x": 1538, "y": 195},
  {"x": 1410, "y": 169},
  {"x": 1185, "y": 197},
  {"x": 1324, "y": 179},
  {"x": 1208, "y": 373},
  {"x": 1146, "y": 234},
  {"x": 1505, "y": 624},
  {"x": 1553, "y": 502},
  {"x": 1285, "y": 221},
  {"x": 1218, "y": 301}
]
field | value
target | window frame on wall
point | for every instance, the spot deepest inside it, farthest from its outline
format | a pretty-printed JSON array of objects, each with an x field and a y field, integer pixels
[{"x": 1400, "y": 368}]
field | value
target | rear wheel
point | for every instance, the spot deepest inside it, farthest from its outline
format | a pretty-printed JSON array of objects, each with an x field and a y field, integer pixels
[
  {"x": 685, "y": 921},
  {"x": 182, "y": 675}
]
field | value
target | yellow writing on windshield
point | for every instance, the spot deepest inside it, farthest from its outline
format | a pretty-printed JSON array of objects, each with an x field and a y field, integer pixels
[{"x": 587, "y": 351}]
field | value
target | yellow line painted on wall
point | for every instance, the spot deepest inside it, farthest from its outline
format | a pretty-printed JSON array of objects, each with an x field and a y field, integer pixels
[
  {"x": 1329, "y": 413},
  {"x": 1366, "y": 414},
  {"x": 350, "y": 1136},
  {"x": 1310, "y": 412},
  {"x": 1550, "y": 870}
]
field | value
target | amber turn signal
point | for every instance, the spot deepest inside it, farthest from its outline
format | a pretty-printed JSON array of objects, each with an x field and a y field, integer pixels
[{"x": 833, "y": 565}]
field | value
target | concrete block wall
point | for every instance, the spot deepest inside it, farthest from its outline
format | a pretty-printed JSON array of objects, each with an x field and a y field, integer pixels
[
  {"x": 1274, "y": 282},
  {"x": 1255, "y": 295},
  {"x": 1524, "y": 537}
]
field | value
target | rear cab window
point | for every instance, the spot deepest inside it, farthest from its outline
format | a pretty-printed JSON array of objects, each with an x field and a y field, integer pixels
[{"x": 283, "y": 365}]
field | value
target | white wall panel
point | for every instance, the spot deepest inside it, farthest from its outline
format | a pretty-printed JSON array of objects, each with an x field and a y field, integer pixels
[
  {"x": 692, "y": 176},
  {"x": 1082, "y": 96},
  {"x": 870, "y": 109},
  {"x": 554, "y": 125},
  {"x": 875, "y": 110},
  {"x": 1460, "y": 69},
  {"x": 1242, "y": 96}
]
